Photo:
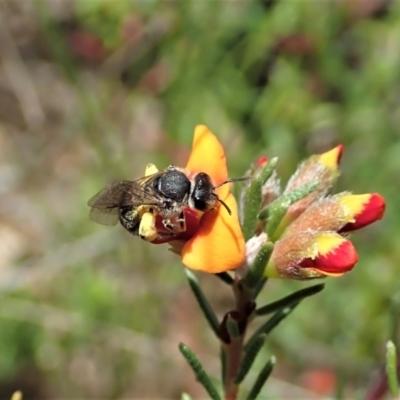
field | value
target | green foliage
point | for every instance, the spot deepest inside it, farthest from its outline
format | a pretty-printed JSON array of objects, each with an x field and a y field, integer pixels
[
  {"x": 201, "y": 375},
  {"x": 256, "y": 271},
  {"x": 278, "y": 78},
  {"x": 391, "y": 369}
]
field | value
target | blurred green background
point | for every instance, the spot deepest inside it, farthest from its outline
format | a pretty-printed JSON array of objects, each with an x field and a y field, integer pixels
[{"x": 93, "y": 90}]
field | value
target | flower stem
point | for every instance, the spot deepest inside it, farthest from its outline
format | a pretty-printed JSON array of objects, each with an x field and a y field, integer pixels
[
  {"x": 244, "y": 307},
  {"x": 233, "y": 359}
]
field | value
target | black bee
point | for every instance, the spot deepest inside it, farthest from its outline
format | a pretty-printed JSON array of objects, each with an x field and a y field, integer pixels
[{"x": 166, "y": 194}]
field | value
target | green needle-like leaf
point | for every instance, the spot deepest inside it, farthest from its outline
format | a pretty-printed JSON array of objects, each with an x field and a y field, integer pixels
[
  {"x": 289, "y": 300},
  {"x": 269, "y": 325},
  {"x": 391, "y": 369},
  {"x": 277, "y": 209},
  {"x": 253, "y": 199},
  {"x": 225, "y": 277},
  {"x": 256, "y": 271},
  {"x": 260, "y": 285},
  {"x": 249, "y": 358},
  {"x": 200, "y": 373},
  {"x": 261, "y": 379},
  {"x": 203, "y": 302}
]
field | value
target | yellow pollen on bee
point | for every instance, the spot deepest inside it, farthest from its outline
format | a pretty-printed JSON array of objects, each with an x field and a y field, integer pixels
[
  {"x": 147, "y": 228},
  {"x": 150, "y": 169}
]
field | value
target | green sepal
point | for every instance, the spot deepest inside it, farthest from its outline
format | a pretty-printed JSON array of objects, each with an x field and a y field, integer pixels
[
  {"x": 203, "y": 302},
  {"x": 225, "y": 277},
  {"x": 200, "y": 373},
  {"x": 253, "y": 199},
  {"x": 249, "y": 357},
  {"x": 391, "y": 369},
  {"x": 261, "y": 379},
  {"x": 272, "y": 323},
  {"x": 186, "y": 396},
  {"x": 289, "y": 300},
  {"x": 278, "y": 208},
  {"x": 256, "y": 270},
  {"x": 232, "y": 327}
]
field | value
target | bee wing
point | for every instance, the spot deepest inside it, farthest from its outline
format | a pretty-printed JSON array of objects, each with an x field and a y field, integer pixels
[
  {"x": 106, "y": 203},
  {"x": 111, "y": 196},
  {"x": 108, "y": 216}
]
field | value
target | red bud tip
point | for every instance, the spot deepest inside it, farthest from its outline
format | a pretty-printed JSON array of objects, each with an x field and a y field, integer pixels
[
  {"x": 262, "y": 161},
  {"x": 372, "y": 210},
  {"x": 338, "y": 260}
]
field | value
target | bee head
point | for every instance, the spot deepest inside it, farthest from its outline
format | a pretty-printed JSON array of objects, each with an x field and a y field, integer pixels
[{"x": 203, "y": 196}]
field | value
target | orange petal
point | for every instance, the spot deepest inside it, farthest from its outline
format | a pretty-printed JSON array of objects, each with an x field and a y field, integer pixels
[
  {"x": 218, "y": 245},
  {"x": 208, "y": 156}
]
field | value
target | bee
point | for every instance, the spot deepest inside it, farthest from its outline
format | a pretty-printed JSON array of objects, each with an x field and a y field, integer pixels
[{"x": 165, "y": 195}]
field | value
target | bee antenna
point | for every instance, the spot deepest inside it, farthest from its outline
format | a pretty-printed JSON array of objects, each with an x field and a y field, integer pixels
[
  {"x": 243, "y": 178},
  {"x": 225, "y": 205}
]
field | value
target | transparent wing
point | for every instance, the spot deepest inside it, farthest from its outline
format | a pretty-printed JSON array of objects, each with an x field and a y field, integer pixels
[
  {"x": 127, "y": 193},
  {"x": 107, "y": 216},
  {"x": 112, "y": 195},
  {"x": 106, "y": 203}
]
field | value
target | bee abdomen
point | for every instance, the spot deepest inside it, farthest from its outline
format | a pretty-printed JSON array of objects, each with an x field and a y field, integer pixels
[{"x": 130, "y": 219}]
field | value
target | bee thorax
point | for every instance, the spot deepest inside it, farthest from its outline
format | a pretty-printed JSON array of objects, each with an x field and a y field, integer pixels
[{"x": 174, "y": 185}]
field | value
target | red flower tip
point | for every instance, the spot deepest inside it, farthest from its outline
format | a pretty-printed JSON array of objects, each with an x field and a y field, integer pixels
[
  {"x": 335, "y": 256},
  {"x": 262, "y": 161},
  {"x": 366, "y": 209}
]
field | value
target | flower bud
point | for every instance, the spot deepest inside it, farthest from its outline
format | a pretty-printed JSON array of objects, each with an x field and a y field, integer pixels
[
  {"x": 309, "y": 255},
  {"x": 341, "y": 213},
  {"x": 365, "y": 208},
  {"x": 322, "y": 168}
]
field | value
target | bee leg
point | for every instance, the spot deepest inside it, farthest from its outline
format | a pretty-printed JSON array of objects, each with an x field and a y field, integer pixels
[
  {"x": 147, "y": 226},
  {"x": 175, "y": 224}
]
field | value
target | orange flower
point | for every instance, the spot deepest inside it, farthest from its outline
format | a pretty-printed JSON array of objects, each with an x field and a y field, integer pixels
[{"x": 218, "y": 244}]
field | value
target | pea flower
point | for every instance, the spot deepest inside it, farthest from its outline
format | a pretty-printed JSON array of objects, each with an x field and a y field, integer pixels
[{"x": 213, "y": 241}]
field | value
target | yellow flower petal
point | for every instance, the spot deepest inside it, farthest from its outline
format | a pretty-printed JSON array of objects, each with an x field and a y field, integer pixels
[
  {"x": 208, "y": 156},
  {"x": 218, "y": 245},
  {"x": 332, "y": 157}
]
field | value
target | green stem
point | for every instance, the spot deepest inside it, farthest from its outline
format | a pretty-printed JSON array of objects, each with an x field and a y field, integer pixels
[{"x": 234, "y": 349}]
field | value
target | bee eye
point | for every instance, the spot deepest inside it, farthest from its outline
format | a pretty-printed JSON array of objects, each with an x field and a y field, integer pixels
[{"x": 202, "y": 195}]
